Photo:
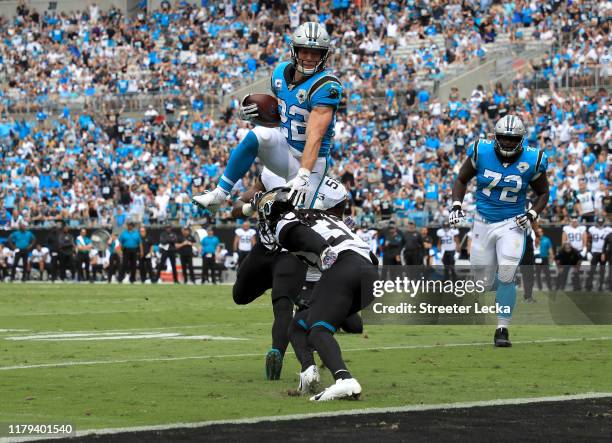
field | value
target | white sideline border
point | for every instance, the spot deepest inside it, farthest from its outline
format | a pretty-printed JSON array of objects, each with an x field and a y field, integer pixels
[
  {"x": 259, "y": 354},
  {"x": 346, "y": 412}
]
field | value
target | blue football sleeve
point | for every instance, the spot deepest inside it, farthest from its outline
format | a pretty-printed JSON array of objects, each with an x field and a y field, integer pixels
[{"x": 328, "y": 93}]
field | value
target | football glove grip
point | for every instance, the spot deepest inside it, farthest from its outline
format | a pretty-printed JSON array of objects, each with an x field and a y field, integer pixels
[
  {"x": 524, "y": 221},
  {"x": 299, "y": 187},
  {"x": 457, "y": 216},
  {"x": 248, "y": 112}
]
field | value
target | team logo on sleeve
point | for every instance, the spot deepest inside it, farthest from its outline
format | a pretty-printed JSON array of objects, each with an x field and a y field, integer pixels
[
  {"x": 333, "y": 92},
  {"x": 301, "y": 96},
  {"x": 522, "y": 167},
  {"x": 278, "y": 84}
]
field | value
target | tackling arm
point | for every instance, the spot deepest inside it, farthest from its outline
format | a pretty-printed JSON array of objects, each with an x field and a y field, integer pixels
[
  {"x": 238, "y": 209},
  {"x": 298, "y": 237}
]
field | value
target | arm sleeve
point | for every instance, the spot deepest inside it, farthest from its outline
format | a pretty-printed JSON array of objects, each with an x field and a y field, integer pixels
[{"x": 294, "y": 236}]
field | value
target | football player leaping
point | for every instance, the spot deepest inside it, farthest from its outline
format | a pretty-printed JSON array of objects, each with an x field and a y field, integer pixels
[
  {"x": 503, "y": 169},
  {"x": 308, "y": 97}
]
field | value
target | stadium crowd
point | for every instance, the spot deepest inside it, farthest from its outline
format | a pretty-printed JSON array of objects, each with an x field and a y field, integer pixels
[{"x": 396, "y": 154}]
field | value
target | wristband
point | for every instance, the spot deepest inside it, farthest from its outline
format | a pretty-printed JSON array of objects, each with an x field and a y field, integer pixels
[
  {"x": 457, "y": 204},
  {"x": 534, "y": 215}
]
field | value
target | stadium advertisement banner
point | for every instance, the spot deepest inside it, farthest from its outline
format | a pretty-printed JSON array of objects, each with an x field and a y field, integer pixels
[{"x": 472, "y": 295}]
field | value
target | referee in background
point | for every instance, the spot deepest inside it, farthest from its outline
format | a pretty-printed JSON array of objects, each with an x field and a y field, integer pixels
[{"x": 130, "y": 245}]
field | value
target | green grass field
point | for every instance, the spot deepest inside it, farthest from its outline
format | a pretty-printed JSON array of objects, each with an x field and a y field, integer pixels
[{"x": 141, "y": 359}]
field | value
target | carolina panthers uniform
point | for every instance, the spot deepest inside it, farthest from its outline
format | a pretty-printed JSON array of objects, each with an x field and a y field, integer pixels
[
  {"x": 280, "y": 149},
  {"x": 297, "y": 100},
  {"x": 500, "y": 197}
]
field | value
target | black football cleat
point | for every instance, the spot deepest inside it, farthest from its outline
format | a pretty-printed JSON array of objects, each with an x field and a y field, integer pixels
[{"x": 501, "y": 339}]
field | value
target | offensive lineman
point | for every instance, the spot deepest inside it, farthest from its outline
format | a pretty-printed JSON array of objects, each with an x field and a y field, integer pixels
[
  {"x": 345, "y": 287},
  {"x": 308, "y": 97},
  {"x": 503, "y": 169}
]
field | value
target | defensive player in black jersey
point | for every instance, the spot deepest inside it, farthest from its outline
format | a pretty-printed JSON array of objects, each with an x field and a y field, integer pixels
[
  {"x": 268, "y": 268},
  {"x": 349, "y": 270}
]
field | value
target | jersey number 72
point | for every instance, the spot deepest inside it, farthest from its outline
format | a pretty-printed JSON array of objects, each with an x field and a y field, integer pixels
[{"x": 505, "y": 195}]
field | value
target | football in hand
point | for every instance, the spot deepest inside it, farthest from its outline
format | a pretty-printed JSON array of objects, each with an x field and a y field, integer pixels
[{"x": 267, "y": 106}]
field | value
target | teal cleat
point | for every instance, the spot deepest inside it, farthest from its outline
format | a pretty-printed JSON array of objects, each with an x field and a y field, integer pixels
[{"x": 274, "y": 364}]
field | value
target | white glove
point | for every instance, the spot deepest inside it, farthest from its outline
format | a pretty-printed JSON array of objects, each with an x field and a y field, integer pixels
[
  {"x": 457, "y": 216},
  {"x": 328, "y": 258},
  {"x": 589, "y": 256},
  {"x": 584, "y": 253},
  {"x": 457, "y": 255},
  {"x": 299, "y": 187},
  {"x": 248, "y": 112},
  {"x": 524, "y": 221}
]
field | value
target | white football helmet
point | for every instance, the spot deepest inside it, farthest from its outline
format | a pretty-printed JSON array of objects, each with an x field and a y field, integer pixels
[
  {"x": 509, "y": 135},
  {"x": 310, "y": 35}
]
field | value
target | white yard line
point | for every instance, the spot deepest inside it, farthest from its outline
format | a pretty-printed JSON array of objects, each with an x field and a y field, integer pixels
[
  {"x": 364, "y": 411},
  {"x": 161, "y": 328},
  {"x": 259, "y": 354}
]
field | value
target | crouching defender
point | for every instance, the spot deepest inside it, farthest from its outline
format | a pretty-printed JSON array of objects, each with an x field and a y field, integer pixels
[
  {"x": 265, "y": 268},
  {"x": 345, "y": 287},
  {"x": 503, "y": 169}
]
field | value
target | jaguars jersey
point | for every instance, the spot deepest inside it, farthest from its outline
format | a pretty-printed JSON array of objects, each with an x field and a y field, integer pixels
[
  {"x": 574, "y": 236},
  {"x": 598, "y": 237},
  {"x": 297, "y": 100},
  {"x": 333, "y": 231},
  {"x": 501, "y": 188}
]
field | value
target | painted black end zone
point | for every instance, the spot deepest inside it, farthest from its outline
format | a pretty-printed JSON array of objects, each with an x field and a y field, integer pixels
[{"x": 577, "y": 420}]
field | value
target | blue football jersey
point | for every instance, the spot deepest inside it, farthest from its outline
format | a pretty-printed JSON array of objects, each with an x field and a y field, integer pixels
[
  {"x": 501, "y": 188},
  {"x": 297, "y": 100}
]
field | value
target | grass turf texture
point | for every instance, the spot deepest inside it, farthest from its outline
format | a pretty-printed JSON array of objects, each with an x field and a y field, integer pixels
[{"x": 208, "y": 388}]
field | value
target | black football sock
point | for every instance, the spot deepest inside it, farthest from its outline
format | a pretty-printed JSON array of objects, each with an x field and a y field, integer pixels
[
  {"x": 299, "y": 340},
  {"x": 322, "y": 340},
  {"x": 283, "y": 313}
]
